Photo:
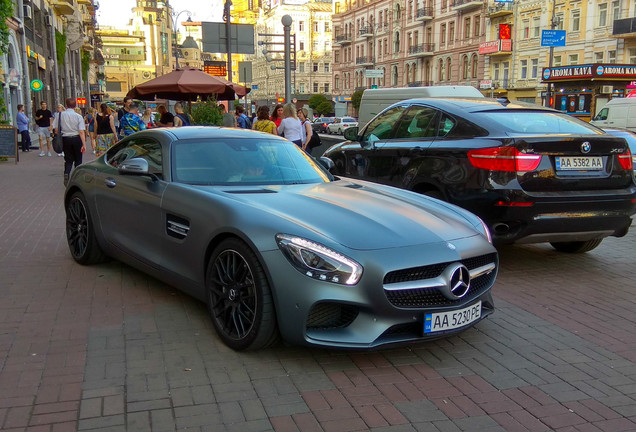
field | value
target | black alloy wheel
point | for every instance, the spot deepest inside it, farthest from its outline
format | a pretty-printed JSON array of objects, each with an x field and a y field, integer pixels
[
  {"x": 239, "y": 298},
  {"x": 80, "y": 233}
]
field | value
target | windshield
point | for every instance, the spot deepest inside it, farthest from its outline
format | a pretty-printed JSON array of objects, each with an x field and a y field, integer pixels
[
  {"x": 537, "y": 122},
  {"x": 240, "y": 161}
]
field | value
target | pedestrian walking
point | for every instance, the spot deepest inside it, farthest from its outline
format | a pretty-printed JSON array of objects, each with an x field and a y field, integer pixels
[
  {"x": 43, "y": 118},
  {"x": 121, "y": 112},
  {"x": 241, "y": 119},
  {"x": 277, "y": 114},
  {"x": 166, "y": 118},
  {"x": 106, "y": 131},
  {"x": 263, "y": 123},
  {"x": 131, "y": 122},
  {"x": 290, "y": 126},
  {"x": 89, "y": 121},
  {"x": 73, "y": 130},
  {"x": 181, "y": 118},
  {"x": 302, "y": 114},
  {"x": 23, "y": 128},
  {"x": 58, "y": 109},
  {"x": 228, "y": 118}
]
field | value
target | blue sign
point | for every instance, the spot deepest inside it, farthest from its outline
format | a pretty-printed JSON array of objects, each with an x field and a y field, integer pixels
[
  {"x": 254, "y": 87},
  {"x": 553, "y": 38}
]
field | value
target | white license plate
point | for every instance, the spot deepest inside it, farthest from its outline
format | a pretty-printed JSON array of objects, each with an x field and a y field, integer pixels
[
  {"x": 441, "y": 321},
  {"x": 579, "y": 163}
]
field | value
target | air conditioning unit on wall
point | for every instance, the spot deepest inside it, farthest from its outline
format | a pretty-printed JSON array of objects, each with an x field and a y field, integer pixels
[
  {"x": 607, "y": 89},
  {"x": 28, "y": 12},
  {"x": 48, "y": 20}
]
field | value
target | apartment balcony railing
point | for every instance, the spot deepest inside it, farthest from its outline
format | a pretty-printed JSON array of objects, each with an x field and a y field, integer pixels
[
  {"x": 63, "y": 7},
  {"x": 463, "y": 5},
  {"x": 364, "y": 61},
  {"x": 424, "y": 14},
  {"x": 366, "y": 31},
  {"x": 624, "y": 28},
  {"x": 343, "y": 39},
  {"x": 499, "y": 10},
  {"x": 422, "y": 50}
]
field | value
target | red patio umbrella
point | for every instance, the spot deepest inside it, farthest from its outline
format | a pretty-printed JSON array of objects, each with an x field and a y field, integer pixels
[{"x": 187, "y": 84}]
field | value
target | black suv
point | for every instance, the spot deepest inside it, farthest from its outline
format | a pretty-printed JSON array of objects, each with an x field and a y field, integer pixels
[
  {"x": 532, "y": 174},
  {"x": 319, "y": 124}
]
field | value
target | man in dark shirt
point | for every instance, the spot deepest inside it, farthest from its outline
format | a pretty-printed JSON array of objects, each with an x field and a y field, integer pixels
[
  {"x": 166, "y": 119},
  {"x": 121, "y": 112},
  {"x": 43, "y": 121}
]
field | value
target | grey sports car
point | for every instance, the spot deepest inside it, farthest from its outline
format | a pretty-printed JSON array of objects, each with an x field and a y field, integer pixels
[{"x": 276, "y": 246}]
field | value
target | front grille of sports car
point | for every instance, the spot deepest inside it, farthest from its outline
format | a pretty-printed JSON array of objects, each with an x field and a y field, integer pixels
[
  {"x": 431, "y": 297},
  {"x": 331, "y": 315}
]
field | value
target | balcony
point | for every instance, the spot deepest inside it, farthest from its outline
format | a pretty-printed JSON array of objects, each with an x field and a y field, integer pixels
[
  {"x": 63, "y": 7},
  {"x": 424, "y": 14},
  {"x": 464, "y": 5},
  {"x": 624, "y": 28},
  {"x": 85, "y": 2},
  {"x": 366, "y": 31},
  {"x": 364, "y": 61},
  {"x": 423, "y": 50},
  {"x": 343, "y": 39},
  {"x": 500, "y": 10}
]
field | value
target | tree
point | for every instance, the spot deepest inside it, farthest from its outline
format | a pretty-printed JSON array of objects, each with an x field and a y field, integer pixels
[
  {"x": 207, "y": 113},
  {"x": 316, "y": 100},
  {"x": 324, "y": 108},
  {"x": 6, "y": 11},
  {"x": 356, "y": 97}
]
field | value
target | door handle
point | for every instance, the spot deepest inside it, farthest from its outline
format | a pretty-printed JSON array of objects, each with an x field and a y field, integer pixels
[
  {"x": 417, "y": 149},
  {"x": 110, "y": 182}
]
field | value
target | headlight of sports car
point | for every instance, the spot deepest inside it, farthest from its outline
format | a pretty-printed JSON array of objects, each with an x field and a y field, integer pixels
[
  {"x": 485, "y": 231},
  {"x": 319, "y": 262}
]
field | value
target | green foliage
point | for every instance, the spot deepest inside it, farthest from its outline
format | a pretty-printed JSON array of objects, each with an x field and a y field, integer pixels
[
  {"x": 206, "y": 113},
  {"x": 60, "y": 46},
  {"x": 6, "y": 11},
  {"x": 316, "y": 100},
  {"x": 86, "y": 64},
  {"x": 356, "y": 97},
  {"x": 325, "y": 107}
]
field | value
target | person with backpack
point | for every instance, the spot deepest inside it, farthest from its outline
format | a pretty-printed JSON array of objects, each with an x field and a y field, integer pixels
[
  {"x": 242, "y": 120},
  {"x": 181, "y": 118}
]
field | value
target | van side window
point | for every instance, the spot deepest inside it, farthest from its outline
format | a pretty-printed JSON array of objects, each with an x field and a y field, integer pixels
[
  {"x": 381, "y": 128},
  {"x": 602, "y": 114},
  {"x": 417, "y": 122}
]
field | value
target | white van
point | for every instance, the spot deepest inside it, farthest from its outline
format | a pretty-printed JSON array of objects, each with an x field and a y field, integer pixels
[
  {"x": 617, "y": 113},
  {"x": 375, "y": 100}
]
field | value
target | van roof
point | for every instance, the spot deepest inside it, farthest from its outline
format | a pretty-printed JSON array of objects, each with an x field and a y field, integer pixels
[{"x": 429, "y": 91}]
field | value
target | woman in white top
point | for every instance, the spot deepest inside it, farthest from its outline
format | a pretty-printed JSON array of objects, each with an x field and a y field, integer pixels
[
  {"x": 290, "y": 127},
  {"x": 306, "y": 129}
]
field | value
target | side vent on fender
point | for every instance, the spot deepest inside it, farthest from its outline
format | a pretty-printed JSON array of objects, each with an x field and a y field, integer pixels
[{"x": 177, "y": 227}]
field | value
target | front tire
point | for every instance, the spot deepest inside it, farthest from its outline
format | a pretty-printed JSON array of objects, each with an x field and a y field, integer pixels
[
  {"x": 80, "y": 232},
  {"x": 239, "y": 298},
  {"x": 576, "y": 246}
]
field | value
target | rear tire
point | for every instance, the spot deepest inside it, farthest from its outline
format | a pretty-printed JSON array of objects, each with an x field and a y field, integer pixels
[
  {"x": 80, "y": 232},
  {"x": 239, "y": 298},
  {"x": 576, "y": 246}
]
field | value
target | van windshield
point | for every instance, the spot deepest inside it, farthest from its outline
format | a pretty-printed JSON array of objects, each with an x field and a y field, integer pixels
[{"x": 538, "y": 122}]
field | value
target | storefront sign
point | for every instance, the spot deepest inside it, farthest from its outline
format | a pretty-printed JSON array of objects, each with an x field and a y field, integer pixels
[
  {"x": 42, "y": 62},
  {"x": 485, "y": 84},
  {"x": 500, "y": 45},
  {"x": 589, "y": 71}
]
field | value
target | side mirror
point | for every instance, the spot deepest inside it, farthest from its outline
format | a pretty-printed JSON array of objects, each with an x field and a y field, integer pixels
[
  {"x": 326, "y": 163},
  {"x": 134, "y": 166},
  {"x": 351, "y": 133}
]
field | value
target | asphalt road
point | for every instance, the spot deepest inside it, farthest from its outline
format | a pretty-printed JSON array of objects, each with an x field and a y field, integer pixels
[{"x": 108, "y": 348}]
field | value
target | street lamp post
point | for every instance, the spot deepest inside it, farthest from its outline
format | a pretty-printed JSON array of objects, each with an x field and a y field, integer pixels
[
  {"x": 287, "y": 52},
  {"x": 175, "y": 17}
]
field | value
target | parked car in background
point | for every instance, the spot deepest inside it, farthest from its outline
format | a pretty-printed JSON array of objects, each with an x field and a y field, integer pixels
[
  {"x": 319, "y": 125},
  {"x": 617, "y": 113},
  {"x": 341, "y": 124},
  {"x": 242, "y": 220},
  {"x": 532, "y": 174}
]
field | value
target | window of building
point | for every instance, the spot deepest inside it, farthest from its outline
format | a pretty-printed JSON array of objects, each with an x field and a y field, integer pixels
[
  {"x": 526, "y": 29},
  {"x": 315, "y": 87},
  {"x": 495, "y": 71},
  {"x": 559, "y": 18},
  {"x": 315, "y": 67},
  {"x": 557, "y": 61},
  {"x": 475, "y": 64},
  {"x": 524, "y": 69},
  {"x": 326, "y": 87},
  {"x": 476, "y": 24},
  {"x": 336, "y": 82},
  {"x": 598, "y": 57},
  {"x": 316, "y": 29},
  {"x": 396, "y": 46},
  {"x": 440, "y": 70},
  {"x": 314, "y": 46},
  {"x": 536, "y": 25},
  {"x": 465, "y": 70},
  {"x": 611, "y": 56},
  {"x": 632, "y": 55},
  {"x": 602, "y": 14},
  {"x": 301, "y": 88},
  {"x": 467, "y": 28},
  {"x": 301, "y": 67},
  {"x": 409, "y": 12},
  {"x": 301, "y": 45},
  {"x": 616, "y": 10},
  {"x": 326, "y": 67},
  {"x": 301, "y": 25},
  {"x": 535, "y": 68},
  {"x": 573, "y": 59},
  {"x": 327, "y": 45},
  {"x": 327, "y": 26},
  {"x": 449, "y": 69},
  {"x": 451, "y": 32},
  {"x": 394, "y": 76},
  {"x": 576, "y": 20},
  {"x": 442, "y": 34},
  {"x": 336, "y": 56}
]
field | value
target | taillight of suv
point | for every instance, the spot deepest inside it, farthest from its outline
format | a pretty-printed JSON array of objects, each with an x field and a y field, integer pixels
[
  {"x": 626, "y": 161},
  {"x": 503, "y": 159}
]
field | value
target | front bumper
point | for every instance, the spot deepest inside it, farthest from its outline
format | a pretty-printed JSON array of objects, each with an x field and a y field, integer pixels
[{"x": 312, "y": 312}]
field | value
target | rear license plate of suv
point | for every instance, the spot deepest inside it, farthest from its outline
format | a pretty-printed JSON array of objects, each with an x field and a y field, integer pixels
[
  {"x": 579, "y": 163},
  {"x": 441, "y": 321}
]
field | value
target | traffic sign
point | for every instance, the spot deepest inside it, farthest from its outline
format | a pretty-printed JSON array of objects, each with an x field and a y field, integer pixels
[
  {"x": 254, "y": 87},
  {"x": 374, "y": 73},
  {"x": 553, "y": 38},
  {"x": 36, "y": 85}
]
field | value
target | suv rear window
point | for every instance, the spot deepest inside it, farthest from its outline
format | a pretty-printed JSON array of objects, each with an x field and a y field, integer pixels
[{"x": 537, "y": 122}]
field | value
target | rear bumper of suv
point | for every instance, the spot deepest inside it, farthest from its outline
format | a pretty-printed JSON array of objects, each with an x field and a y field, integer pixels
[{"x": 556, "y": 219}]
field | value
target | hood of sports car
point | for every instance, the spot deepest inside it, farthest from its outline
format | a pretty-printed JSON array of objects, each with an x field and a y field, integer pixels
[{"x": 359, "y": 215}]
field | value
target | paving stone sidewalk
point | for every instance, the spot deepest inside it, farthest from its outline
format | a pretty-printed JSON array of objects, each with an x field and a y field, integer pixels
[{"x": 106, "y": 348}]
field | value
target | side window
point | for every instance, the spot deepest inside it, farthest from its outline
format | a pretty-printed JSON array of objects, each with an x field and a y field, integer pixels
[
  {"x": 417, "y": 122},
  {"x": 381, "y": 127},
  {"x": 144, "y": 148},
  {"x": 602, "y": 115},
  {"x": 446, "y": 124}
]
